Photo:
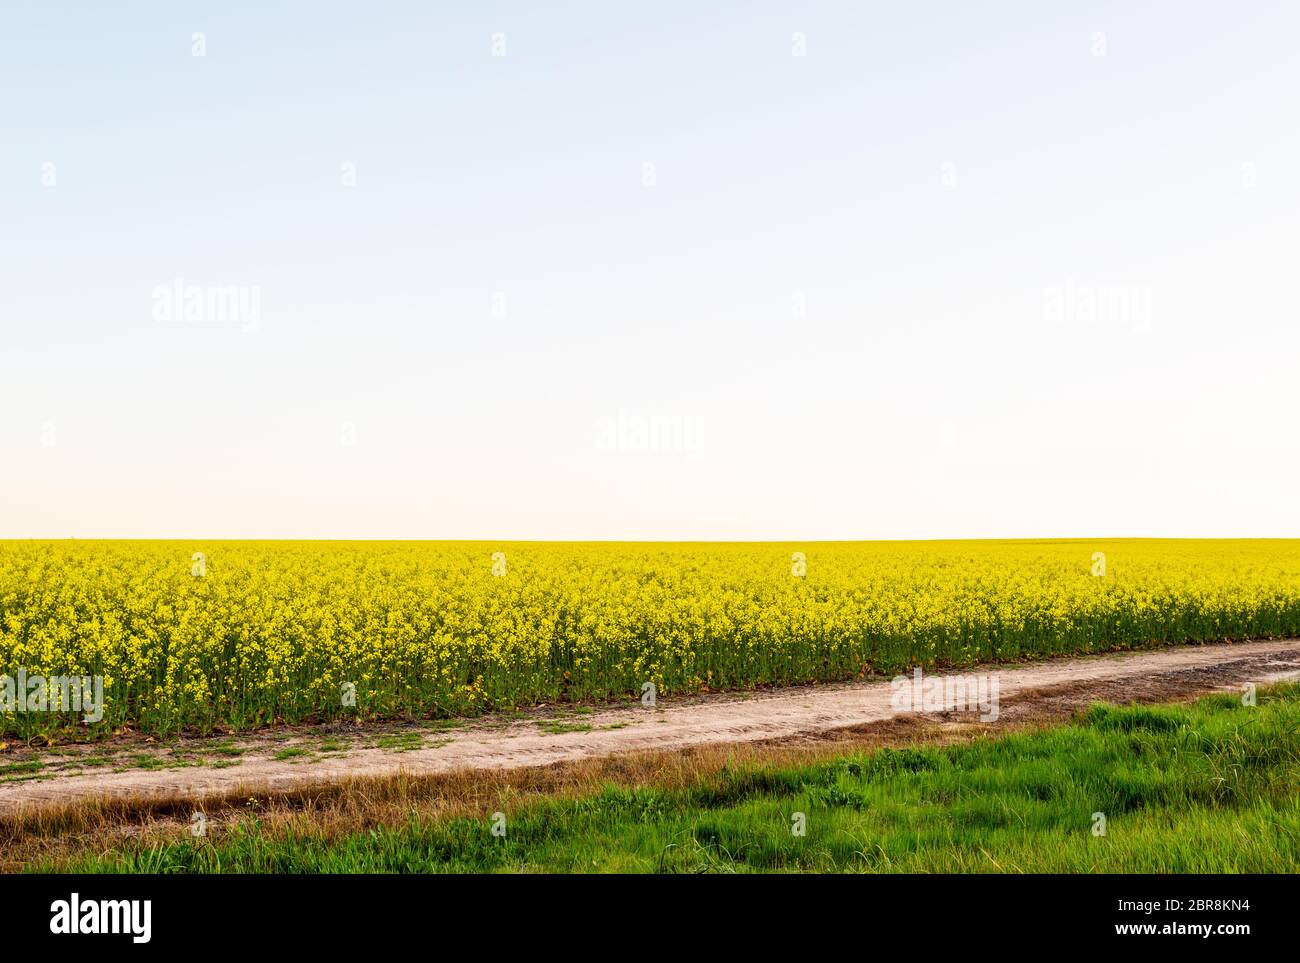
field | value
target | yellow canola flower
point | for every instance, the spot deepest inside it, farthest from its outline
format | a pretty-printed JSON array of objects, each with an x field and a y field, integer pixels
[{"x": 283, "y": 631}]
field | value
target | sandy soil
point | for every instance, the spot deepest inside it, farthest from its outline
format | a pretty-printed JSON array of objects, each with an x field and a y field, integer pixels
[{"x": 224, "y": 766}]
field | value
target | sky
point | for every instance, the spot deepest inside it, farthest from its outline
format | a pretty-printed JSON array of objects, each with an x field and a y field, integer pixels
[{"x": 682, "y": 270}]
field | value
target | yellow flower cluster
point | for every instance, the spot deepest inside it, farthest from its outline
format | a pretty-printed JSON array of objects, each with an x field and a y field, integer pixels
[{"x": 261, "y": 632}]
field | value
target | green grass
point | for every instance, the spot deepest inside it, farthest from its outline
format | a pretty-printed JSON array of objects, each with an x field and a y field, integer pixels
[
  {"x": 443, "y": 725},
  {"x": 553, "y": 728},
  {"x": 152, "y": 763},
  {"x": 1210, "y": 787},
  {"x": 15, "y": 767},
  {"x": 400, "y": 742},
  {"x": 142, "y": 760}
]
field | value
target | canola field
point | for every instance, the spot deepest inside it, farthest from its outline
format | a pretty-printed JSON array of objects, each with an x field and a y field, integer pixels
[{"x": 205, "y": 635}]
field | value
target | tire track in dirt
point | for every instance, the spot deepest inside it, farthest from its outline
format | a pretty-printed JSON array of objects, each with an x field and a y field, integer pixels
[{"x": 1026, "y": 692}]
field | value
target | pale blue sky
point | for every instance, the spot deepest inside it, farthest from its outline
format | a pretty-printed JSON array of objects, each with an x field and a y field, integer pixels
[{"x": 828, "y": 331}]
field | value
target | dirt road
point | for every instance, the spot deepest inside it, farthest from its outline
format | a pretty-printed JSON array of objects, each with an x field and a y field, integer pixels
[{"x": 283, "y": 760}]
